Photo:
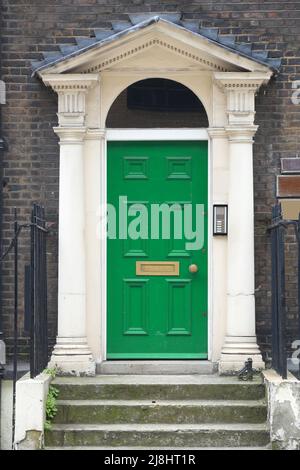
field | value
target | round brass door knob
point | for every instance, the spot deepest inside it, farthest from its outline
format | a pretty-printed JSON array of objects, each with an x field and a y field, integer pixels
[{"x": 193, "y": 268}]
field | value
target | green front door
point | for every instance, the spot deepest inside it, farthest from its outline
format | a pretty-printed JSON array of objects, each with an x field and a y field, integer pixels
[{"x": 157, "y": 194}]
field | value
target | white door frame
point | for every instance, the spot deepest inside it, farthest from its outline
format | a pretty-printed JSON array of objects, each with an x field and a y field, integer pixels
[{"x": 182, "y": 134}]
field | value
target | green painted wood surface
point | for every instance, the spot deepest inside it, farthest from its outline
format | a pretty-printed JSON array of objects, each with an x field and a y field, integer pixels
[{"x": 158, "y": 317}]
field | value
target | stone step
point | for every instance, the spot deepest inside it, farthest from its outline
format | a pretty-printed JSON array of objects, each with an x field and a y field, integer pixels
[
  {"x": 157, "y": 367},
  {"x": 187, "y": 387},
  {"x": 165, "y": 411},
  {"x": 162, "y": 435}
]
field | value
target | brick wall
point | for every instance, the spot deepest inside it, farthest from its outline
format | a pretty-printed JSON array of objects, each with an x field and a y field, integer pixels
[{"x": 31, "y": 164}]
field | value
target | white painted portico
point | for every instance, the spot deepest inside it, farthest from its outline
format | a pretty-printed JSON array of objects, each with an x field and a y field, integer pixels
[{"x": 87, "y": 85}]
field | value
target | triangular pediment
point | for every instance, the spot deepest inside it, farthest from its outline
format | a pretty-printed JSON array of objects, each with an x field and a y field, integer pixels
[{"x": 155, "y": 43}]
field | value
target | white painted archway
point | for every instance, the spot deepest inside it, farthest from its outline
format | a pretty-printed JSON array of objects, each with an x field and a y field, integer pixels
[{"x": 87, "y": 85}]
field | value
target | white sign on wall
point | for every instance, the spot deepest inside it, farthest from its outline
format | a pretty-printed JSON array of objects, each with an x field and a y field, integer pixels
[{"x": 2, "y": 92}]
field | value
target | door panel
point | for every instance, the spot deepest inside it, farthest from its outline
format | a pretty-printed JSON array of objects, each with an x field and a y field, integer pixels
[
  {"x": 156, "y": 307},
  {"x": 136, "y": 307},
  {"x": 179, "y": 307}
]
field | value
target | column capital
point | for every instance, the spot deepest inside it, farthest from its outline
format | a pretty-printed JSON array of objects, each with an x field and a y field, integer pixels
[
  {"x": 241, "y": 134},
  {"x": 95, "y": 134},
  {"x": 70, "y": 135},
  {"x": 217, "y": 132},
  {"x": 240, "y": 89},
  {"x": 71, "y": 90}
]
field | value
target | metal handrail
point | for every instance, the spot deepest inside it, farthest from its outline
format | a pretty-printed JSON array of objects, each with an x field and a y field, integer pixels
[{"x": 279, "y": 340}]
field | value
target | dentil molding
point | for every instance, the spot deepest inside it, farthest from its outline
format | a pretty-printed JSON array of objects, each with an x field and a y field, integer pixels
[{"x": 74, "y": 81}]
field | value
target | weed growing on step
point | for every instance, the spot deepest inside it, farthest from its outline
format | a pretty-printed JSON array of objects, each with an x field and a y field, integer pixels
[
  {"x": 51, "y": 406},
  {"x": 53, "y": 372},
  {"x": 51, "y": 403}
]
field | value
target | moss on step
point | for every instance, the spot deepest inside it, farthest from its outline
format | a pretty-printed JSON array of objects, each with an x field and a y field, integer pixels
[
  {"x": 160, "y": 412},
  {"x": 170, "y": 438},
  {"x": 230, "y": 391}
]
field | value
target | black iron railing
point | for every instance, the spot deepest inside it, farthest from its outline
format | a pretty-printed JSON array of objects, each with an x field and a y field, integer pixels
[
  {"x": 279, "y": 327},
  {"x": 35, "y": 295},
  {"x": 38, "y": 291}
]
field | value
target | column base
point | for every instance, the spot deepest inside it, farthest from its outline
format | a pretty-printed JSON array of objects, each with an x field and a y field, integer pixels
[
  {"x": 236, "y": 351},
  {"x": 72, "y": 356}
]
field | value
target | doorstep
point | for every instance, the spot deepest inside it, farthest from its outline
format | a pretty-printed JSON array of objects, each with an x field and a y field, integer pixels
[{"x": 156, "y": 367}]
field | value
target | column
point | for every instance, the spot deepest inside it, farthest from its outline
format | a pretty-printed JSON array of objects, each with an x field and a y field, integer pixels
[
  {"x": 71, "y": 353},
  {"x": 219, "y": 167},
  {"x": 95, "y": 176},
  {"x": 240, "y": 341}
]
